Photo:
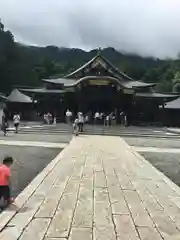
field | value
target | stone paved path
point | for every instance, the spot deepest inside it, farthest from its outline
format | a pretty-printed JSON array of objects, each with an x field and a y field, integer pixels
[{"x": 99, "y": 188}]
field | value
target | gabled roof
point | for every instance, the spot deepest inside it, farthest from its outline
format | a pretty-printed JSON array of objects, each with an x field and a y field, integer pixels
[
  {"x": 17, "y": 96},
  {"x": 175, "y": 104},
  {"x": 60, "y": 81},
  {"x": 124, "y": 84},
  {"x": 3, "y": 97},
  {"x": 157, "y": 96},
  {"x": 42, "y": 90},
  {"x": 100, "y": 59}
]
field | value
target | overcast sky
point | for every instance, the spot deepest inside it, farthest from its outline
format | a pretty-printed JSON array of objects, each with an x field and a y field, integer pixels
[{"x": 146, "y": 27}]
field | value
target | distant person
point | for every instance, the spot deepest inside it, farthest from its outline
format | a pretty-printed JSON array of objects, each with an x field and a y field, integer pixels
[
  {"x": 49, "y": 118},
  {"x": 76, "y": 127},
  {"x": 68, "y": 116},
  {"x": 54, "y": 120},
  {"x": 96, "y": 117},
  {"x": 107, "y": 121},
  {"x": 4, "y": 124},
  {"x": 122, "y": 115},
  {"x": 45, "y": 118},
  {"x": 5, "y": 174},
  {"x": 86, "y": 119},
  {"x": 81, "y": 121},
  {"x": 16, "y": 120}
]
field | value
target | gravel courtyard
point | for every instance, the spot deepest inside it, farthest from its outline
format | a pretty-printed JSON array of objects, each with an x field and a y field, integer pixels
[
  {"x": 168, "y": 163},
  {"x": 28, "y": 162}
]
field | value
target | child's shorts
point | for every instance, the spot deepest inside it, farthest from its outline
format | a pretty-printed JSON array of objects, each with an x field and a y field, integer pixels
[{"x": 5, "y": 192}]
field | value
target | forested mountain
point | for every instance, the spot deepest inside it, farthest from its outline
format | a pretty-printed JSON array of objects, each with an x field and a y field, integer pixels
[{"x": 27, "y": 65}]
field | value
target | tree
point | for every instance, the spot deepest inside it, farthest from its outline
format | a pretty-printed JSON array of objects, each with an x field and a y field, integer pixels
[{"x": 176, "y": 82}]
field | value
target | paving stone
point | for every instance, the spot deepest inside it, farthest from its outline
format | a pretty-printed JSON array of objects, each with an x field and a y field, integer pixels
[
  {"x": 138, "y": 211},
  {"x": 104, "y": 233},
  {"x": 102, "y": 214},
  {"x": 100, "y": 180},
  {"x": 125, "y": 182},
  {"x": 25, "y": 215},
  {"x": 112, "y": 180},
  {"x": 72, "y": 187},
  {"x": 163, "y": 223},
  {"x": 47, "y": 208},
  {"x": 83, "y": 216},
  {"x": 36, "y": 229},
  {"x": 118, "y": 203},
  {"x": 170, "y": 208},
  {"x": 46, "y": 238},
  {"x": 119, "y": 207},
  {"x": 101, "y": 195},
  {"x": 125, "y": 227},
  {"x": 81, "y": 234},
  {"x": 147, "y": 233},
  {"x": 61, "y": 223}
]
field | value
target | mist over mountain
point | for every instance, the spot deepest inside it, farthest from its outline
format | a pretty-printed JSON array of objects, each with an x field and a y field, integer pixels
[{"x": 26, "y": 65}]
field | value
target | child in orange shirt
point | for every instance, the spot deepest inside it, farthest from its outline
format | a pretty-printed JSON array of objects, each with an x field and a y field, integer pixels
[{"x": 5, "y": 174}]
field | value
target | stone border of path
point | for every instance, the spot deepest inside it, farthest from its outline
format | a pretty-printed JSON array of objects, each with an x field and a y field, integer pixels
[
  {"x": 22, "y": 198},
  {"x": 155, "y": 149},
  {"x": 169, "y": 182},
  {"x": 33, "y": 144},
  {"x": 174, "y": 130}
]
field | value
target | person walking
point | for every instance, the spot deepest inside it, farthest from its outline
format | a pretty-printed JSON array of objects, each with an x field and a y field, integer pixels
[
  {"x": 76, "y": 127},
  {"x": 81, "y": 121},
  {"x": 4, "y": 124},
  {"x": 5, "y": 174},
  {"x": 68, "y": 116},
  {"x": 16, "y": 120}
]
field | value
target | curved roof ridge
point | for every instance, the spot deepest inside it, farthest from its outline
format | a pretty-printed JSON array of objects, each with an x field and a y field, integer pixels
[
  {"x": 97, "y": 77},
  {"x": 116, "y": 69},
  {"x": 99, "y": 55},
  {"x": 80, "y": 68}
]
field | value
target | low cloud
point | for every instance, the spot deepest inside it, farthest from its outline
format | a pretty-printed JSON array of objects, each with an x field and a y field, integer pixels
[{"x": 145, "y": 27}]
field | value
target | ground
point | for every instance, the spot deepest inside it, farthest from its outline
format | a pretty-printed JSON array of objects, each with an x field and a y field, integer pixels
[
  {"x": 100, "y": 188},
  {"x": 166, "y": 162},
  {"x": 29, "y": 160}
]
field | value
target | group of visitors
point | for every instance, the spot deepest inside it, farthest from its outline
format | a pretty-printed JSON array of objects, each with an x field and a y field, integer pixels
[
  {"x": 49, "y": 118},
  {"x": 105, "y": 119},
  {"x": 5, "y": 123},
  {"x": 78, "y": 123},
  {"x": 80, "y": 119}
]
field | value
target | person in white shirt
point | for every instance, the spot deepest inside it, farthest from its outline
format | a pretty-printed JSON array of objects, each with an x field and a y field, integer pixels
[
  {"x": 107, "y": 120},
  {"x": 96, "y": 117},
  {"x": 81, "y": 121},
  {"x": 16, "y": 120},
  {"x": 76, "y": 126},
  {"x": 68, "y": 116}
]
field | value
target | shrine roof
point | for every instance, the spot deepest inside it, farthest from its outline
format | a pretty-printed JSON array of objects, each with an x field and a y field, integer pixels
[
  {"x": 117, "y": 72},
  {"x": 60, "y": 81},
  {"x": 175, "y": 104},
  {"x": 125, "y": 84},
  {"x": 156, "y": 95},
  {"x": 17, "y": 96},
  {"x": 42, "y": 90}
]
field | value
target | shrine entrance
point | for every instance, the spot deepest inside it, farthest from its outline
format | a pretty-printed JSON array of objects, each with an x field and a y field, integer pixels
[{"x": 104, "y": 96}]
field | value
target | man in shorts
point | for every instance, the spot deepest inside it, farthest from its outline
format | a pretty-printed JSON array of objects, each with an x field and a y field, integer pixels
[{"x": 5, "y": 174}]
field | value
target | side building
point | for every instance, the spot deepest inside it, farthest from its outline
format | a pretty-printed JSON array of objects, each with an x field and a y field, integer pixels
[{"x": 99, "y": 86}]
